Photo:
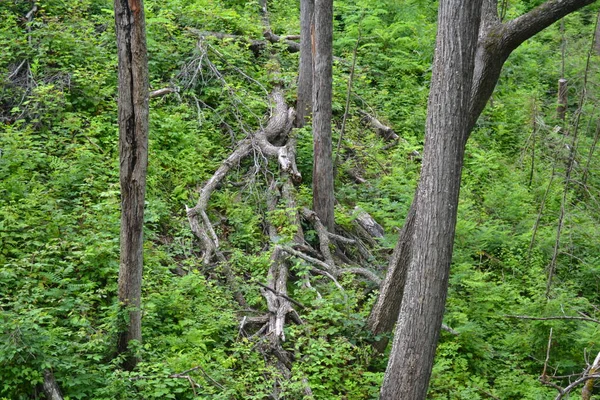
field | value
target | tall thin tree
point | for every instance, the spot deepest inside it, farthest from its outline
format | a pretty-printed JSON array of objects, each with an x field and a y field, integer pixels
[
  {"x": 133, "y": 155},
  {"x": 472, "y": 46},
  {"x": 305, "y": 69},
  {"x": 323, "y": 195}
]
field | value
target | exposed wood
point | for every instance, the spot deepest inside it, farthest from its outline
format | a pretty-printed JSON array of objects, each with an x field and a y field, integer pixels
[
  {"x": 370, "y": 275},
  {"x": 566, "y": 391},
  {"x": 50, "y": 387},
  {"x": 277, "y": 127},
  {"x": 588, "y": 388},
  {"x": 384, "y": 131},
  {"x": 292, "y": 46},
  {"x": 162, "y": 92},
  {"x": 323, "y": 237},
  {"x": 449, "y": 330},
  {"x": 365, "y": 220}
]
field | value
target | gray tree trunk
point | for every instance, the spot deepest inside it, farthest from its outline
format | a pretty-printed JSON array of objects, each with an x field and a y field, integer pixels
[
  {"x": 422, "y": 310},
  {"x": 385, "y": 310},
  {"x": 472, "y": 46},
  {"x": 305, "y": 69},
  {"x": 133, "y": 154},
  {"x": 323, "y": 197},
  {"x": 495, "y": 43}
]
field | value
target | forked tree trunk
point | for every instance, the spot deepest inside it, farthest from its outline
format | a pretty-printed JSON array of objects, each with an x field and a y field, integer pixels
[
  {"x": 133, "y": 154},
  {"x": 420, "y": 320},
  {"x": 305, "y": 69},
  {"x": 496, "y": 41},
  {"x": 462, "y": 83},
  {"x": 323, "y": 197}
]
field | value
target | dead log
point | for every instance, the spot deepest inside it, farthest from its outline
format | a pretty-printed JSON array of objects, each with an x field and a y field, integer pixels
[
  {"x": 277, "y": 128},
  {"x": 386, "y": 132},
  {"x": 368, "y": 223}
]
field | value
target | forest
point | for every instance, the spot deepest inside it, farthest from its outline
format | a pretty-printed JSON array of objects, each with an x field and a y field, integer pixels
[{"x": 266, "y": 275}]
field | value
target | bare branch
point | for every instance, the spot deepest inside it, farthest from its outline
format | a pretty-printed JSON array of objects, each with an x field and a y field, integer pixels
[
  {"x": 161, "y": 92},
  {"x": 568, "y": 389},
  {"x": 386, "y": 132},
  {"x": 285, "y": 296},
  {"x": 308, "y": 258},
  {"x": 450, "y": 330},
  {"x": 323, "y": 234},
  {"x": 292, "y": 47}
]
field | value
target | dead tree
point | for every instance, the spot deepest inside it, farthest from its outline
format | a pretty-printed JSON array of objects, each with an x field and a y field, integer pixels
[{"x": 133, "y": 152}]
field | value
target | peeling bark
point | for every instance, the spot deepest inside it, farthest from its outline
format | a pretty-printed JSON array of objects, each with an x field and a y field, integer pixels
[{"x": 133, "y": 154}]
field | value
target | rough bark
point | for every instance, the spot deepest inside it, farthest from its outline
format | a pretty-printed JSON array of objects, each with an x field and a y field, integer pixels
[
  {"x": 495, "y": 43},
  {"x": 384, "y": 314},
  {"x": 421, "y": 313},
  {"x": 133, "y": 153},
  {"x": 323, "y": 197},
  {"x": 597, "y": 36},
  {"x": 497, "y": 40},
  {"x": 305, "y": 69},
  {"x": 463, "y": 26}
]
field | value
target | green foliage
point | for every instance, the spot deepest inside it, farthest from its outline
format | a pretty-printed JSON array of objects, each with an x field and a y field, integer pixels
[{"x": 59, "y": 205}]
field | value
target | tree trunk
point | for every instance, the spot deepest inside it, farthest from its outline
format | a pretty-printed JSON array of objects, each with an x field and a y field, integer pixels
[
  {"x": 597, "y": 35},
  {"x": 420, "y": 320},
  {"x": 563, "y": 99},
  {"x": 385, "y": 311},
  {"x": 496, "y": 41},
  {"x": 305, "y": 69},
  {"x": 323, "y": 197},
  {"x": 133, "y": 153}
]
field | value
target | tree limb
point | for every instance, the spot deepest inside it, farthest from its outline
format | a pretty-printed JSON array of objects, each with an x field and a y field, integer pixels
[
  {"x": 161, "y": 92},
  {"x": 522, "y": 28},
  {"x": 285, "y": 296}
]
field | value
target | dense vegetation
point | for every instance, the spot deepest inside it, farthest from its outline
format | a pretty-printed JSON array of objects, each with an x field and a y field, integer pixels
[{"x": 59, "y": 205}]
